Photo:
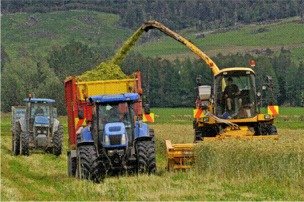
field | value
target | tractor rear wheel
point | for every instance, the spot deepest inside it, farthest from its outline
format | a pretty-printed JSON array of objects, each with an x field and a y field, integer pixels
[
  {"x": 89, "y": 166},
  {"x": 16, "y": 139},
  {"x": 146, "y": 162},
  {"x": 24, "y": 143},
  {"x": 57, "y": 141}
]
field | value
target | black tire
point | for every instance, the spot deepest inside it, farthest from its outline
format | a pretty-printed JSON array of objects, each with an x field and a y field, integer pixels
[
  {"x": 146, "y": 162},
  {"x": 72, "y": 165},
  {"x": 24, "y": 143},
  {"x": 272, "y": 130},
  {"x": 57, "y": 141},
  {"x": 16, "y": 139},
  {"x": 89, "y": 166}
]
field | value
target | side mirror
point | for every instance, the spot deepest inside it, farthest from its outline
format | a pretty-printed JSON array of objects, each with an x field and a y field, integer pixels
[
  {"x": 147, "y": 109},
  {"x": 80, "y": 114}
]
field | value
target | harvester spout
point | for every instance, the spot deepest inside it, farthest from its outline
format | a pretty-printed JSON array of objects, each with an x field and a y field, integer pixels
[
  {"x": 152, "y": 24},
  {"x": 157, "y": 25}
]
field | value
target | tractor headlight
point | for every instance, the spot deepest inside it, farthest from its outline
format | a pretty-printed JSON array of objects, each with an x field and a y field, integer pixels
[
  {"x": 107, "y": 140},
  {"x": 267, "y": 116},
  {"x": 45, "y": 132},
  {"x": 38, "y": 131},
  {"x": 123, "y": 139}
]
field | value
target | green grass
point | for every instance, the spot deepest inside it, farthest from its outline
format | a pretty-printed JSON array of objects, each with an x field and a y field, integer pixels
[
  {"x": 245, "y": 176},
  {"x": 289, "y": 118},
  {"x": 276, "y": 35},
  {"x": 36, "y": 33}
]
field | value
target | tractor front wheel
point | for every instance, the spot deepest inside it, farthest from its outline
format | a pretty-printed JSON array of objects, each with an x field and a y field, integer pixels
[
  {"x": 57, "y": 141},
  {"x": 89, "y": 166},
  {"x": 24, "y": 143}
]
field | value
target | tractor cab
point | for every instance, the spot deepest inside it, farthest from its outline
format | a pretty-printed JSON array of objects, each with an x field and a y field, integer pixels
[
  {"x": 114, "y": 124},
  {"x": 40, "y": 113},
  {"x": 35, "y": 127},
  {"x": 235, "y": 93},
  {"x": 40, "y": 117}
]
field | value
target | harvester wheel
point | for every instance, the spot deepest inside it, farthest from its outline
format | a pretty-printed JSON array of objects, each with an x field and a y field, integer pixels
[
  {"x": 57, "y": 141},
  {"x": 146, "y": 157},
  {"x": 16, "y": 139},
  {"x": 89, "y": 166},
  {"x": 24, "y": 143},
  {"x": 272, "y": 130}
]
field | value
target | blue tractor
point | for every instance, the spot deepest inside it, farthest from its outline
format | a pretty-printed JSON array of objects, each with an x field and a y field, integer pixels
[
  {"x": 115, "y": 141},
  {"x": 35, "y": 126}
]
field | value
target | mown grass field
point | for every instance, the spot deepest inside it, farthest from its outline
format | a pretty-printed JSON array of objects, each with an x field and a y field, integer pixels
[{"x": 228, "y": 170}]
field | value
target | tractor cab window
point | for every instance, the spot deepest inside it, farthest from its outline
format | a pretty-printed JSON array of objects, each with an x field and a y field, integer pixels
[
  {"x": 235, "y": 95},
  {"x": 39, "y": 109},
  {"x": 114, "y": 112}
]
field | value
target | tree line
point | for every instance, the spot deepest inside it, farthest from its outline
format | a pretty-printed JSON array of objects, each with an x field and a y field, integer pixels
[
  {"x": 166, "y": 83},
  {"x": 177, "y": 14}
]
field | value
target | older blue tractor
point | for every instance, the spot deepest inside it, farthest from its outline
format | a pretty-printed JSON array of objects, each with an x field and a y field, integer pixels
[{"x": 35, "y": 127}]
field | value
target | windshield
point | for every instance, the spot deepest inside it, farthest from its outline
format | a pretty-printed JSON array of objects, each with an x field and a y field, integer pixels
[
  {"x": 40, "y": 109},
  {"x": 235, "y": 95},
  {"x": 114, "y": 112}
]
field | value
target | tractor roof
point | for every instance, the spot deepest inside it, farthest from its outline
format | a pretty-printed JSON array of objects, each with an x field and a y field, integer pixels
[
  {"x": 39, "y": 100},
  {"x": 234, "y": 69},
  {"x": 114, "y": 98}
]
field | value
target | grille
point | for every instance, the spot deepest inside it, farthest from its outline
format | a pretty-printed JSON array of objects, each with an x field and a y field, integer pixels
[{"x": 115, "y": 139}]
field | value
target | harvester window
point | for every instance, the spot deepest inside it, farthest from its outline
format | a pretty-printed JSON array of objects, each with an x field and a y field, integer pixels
[{"x": 234, "y": 94}]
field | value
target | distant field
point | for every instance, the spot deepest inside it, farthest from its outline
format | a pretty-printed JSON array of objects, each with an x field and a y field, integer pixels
[
  {"x": 245, "y": 39},
  {"x": 36, "y": 33},
  {"x": 265, "y": 170}
]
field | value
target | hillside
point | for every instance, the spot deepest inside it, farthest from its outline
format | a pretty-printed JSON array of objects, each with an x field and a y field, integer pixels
[
  {"x": 35, "y": 34},
  {"x": 252, "y": 39}
]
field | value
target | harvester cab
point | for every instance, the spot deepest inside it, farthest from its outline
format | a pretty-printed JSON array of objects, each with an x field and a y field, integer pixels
[
  {"x": 232, "y": 110},
  {"x": 37, "y": 128}
]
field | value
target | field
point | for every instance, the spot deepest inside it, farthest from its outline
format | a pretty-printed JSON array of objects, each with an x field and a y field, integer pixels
[
  {"x": 231, "y": 170},
  {"x": 247, "y": 38},
  {"x": 36, "y": 34}
]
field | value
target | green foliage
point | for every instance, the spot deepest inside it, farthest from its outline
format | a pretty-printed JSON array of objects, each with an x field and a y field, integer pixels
[{"x": 72, "y": 59}]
